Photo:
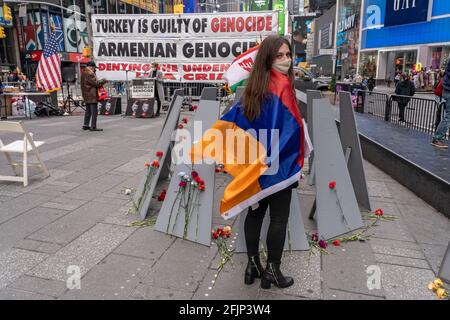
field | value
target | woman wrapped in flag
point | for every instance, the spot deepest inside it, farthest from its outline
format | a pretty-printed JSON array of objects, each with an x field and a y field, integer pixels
[{"x": 263, "y": 146}]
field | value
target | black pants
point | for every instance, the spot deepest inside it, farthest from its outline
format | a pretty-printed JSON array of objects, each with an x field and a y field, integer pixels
[
  {"x": 401, "y": 109},
  {"x": 158, "y": 101},
  {"x": 279, "y": 204},
  {"x": 91, "y": 112}
]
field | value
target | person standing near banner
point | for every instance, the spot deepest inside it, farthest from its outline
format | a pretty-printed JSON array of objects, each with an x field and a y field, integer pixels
[
  {"x": 266, "y": 179},
  {"x": 157, "y": 75},
  {"x": 273, "y": 63},
  {"x": 89, "y": 86}
]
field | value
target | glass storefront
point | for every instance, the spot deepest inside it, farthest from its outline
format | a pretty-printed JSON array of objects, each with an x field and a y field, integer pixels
[
  {"x": 368, "y": 64},
  {"x": 404, "y": 61},
  {"x": 347, "y": 41},
  {"x": 439, "y": 57}
]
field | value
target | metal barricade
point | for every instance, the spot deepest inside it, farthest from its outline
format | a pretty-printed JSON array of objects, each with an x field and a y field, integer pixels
[
  {"x": 191, "y": 89},
  {"x": 374, "y": 103},
  {"x": 419, "y": 113}
]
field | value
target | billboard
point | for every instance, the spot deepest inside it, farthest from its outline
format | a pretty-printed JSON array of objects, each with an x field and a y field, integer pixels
[
  {"x": 301, "y": 30},
  {"x": 406, "y": 11}
]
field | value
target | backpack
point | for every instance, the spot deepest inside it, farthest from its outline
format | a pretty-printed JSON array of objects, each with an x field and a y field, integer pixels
[{"x": 438, "y": 89}]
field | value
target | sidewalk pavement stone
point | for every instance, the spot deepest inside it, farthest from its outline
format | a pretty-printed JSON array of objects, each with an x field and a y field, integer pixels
[{"x": 85, "y": 252}]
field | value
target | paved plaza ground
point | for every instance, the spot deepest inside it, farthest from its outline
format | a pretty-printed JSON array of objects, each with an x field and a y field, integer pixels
[{"x": 78, "y": 216}]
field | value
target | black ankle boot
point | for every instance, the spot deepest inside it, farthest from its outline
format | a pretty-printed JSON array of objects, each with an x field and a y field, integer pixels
[
  {"x": 273, "y": 274},
  {"x": 254, "y": 270}
]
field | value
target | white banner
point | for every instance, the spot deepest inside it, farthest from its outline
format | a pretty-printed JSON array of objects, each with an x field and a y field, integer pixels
[
  {"x": 171, "y": 50},
  {"x": 184, "y": 26},
  {"x": 209, "y": 42},
  {"x": 181, "y": 72}
]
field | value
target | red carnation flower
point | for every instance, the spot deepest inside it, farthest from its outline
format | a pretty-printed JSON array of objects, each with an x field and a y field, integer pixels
[
  {"x": 180, "y": 126},
  {"x": 159, "y": 154},
  {"x": 182, "y": 184},
  {"x": 185, "y": 120},
  {"x": 215, "y": 235},
  {"x": 332, "y": 184},
  {"x": 194, "y": 108},
  {"x": 379, "y": 212},
  {"x": 336, "y": 243},
  {"x": 194, "y": 174},
  {"x": 162, "y": 196}
]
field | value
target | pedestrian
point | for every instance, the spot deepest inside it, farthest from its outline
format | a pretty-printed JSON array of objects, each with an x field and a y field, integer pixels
[
  {"x": 157, "y": 75},
  {"x": 371, "y": 83},
  {"x": 416, "y": 79},
  {"x": 439, "y": 135},
  {"x": 397, "y": 78},
  {"x": 268, "y": 104},
  {"x": 404, "y": 88},
  {"x": 89, "y": 90},
  {"x": 365, "y": 82},
  {"x": 389, "y": 79},
  {"x": 272, "y": 68}
]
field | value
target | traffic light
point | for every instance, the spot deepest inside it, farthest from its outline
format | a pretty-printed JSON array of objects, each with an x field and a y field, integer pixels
[
  {"x": 7, "y": 16},
  {"x": 2, "y": 33}
]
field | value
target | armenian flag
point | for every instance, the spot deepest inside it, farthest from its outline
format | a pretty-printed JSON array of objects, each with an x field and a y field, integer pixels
[{"x": 273, "y": 147}]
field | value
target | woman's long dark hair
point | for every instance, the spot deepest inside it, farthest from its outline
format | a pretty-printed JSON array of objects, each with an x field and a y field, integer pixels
[{"x": 256, "y": 90}]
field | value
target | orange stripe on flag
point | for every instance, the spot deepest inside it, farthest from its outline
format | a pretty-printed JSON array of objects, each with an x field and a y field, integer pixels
[{"x": 242, "y": 156}]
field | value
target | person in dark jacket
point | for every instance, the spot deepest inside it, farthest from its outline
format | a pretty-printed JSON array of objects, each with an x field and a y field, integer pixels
[
  {"x": 89, "y": 86},
  {"x": 371, "y": 83},
  {"x": 157, "y": 75},
  {"x": 439, "y": 135},
  {"x": 404, "y": 88}
]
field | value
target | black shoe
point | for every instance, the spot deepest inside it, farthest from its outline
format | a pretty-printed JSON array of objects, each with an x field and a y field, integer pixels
[
  {"x": 95, "y": 129},
  {"x": 254, "y": 270},
  {"x": 86, "y": 128},
  {"x": 273, "y": 274}
]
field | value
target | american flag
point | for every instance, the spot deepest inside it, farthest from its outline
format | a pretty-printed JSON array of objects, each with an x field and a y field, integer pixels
[{"x": 48, "y": 74}]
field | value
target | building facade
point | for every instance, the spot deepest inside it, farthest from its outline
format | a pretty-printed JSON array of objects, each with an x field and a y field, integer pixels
[
  {"x": 404, "y": 36},
  {"x": 324, "y": 43},
  {"x": 348, "y": 21}
]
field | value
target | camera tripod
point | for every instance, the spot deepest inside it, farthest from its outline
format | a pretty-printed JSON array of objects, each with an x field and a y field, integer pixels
[{"x": 70, "y": 100}]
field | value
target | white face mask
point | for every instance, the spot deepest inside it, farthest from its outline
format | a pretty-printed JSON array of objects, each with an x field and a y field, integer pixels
[{"x": 283, "y": 66}]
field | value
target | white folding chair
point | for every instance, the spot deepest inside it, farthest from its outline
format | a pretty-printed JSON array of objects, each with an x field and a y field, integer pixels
[{"x": 21, "y": 146}]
